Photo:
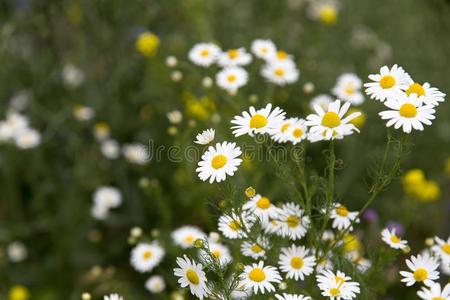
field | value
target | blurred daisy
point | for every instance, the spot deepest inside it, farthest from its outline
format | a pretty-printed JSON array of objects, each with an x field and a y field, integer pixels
[
  {"x": 145, "y": 256},
  {"x": 273, "y": 227},
  {"x": 442, "y": 249},
  {"x": 407, "y": 112},
  {"x": 218, "y": 251},
  {"x": 113, "y": 297},
  {"x": 423, "y": 269},
  {"x": 342, "y": 218},
  {"x": 280, "y": 73},
  {"x": 348, "y": 88},
  {"x": 110, "y": 149},
  {"x": 282, "y": 57},
  {"x": 234, "y": 57},
  {"x": 264, "y": 49},
  {"x": 136, "y": 153},
  {"x": 219, "y": 161},
  {"x": 204, "y": 54},
  {"x": 155, "y": 284},
  {"x": 72, "y": 76},
  {"x": 185, "y": 236},
  {"x": 233, "y": 226},
  {"x": 363, "y": 264},
  {"x": 260, "y": 278},
  {"x": 232, "y": 78},
  {"x": 16, "y": 252},
  {"x": 389, "y": 237},
  {"x": 101, "y": 131},
  {"x": 205, "y": 137},
  {"x": 27, "y": 138},
  {"x": 331, "y": 123},
  {"x": 325, "y": 11},
  {"x": 262, "y": 208},
  {"x": 425, "y": 93},
  {"x": 296, "y": 262},
  {"x": 297, "y": 132},
  {"x": 107, "y": 196},
  {"x": 255, "y": 250},
  {"x": 83, "y": 113},
  {"x": 191, "y": 274},
  {"x": 337, "y": 286},
  {"x": 257, "y": 121},
  {"x": 322, "y": 101},
  {"x": 293, "y": 222},
  {"x": 291, "y": 297},
  {"x": 175, "y": 116},
  {"x": 435, "y": 292},
  {"x": 388, "y": 84},
  {"x": 280, "y": 133}
]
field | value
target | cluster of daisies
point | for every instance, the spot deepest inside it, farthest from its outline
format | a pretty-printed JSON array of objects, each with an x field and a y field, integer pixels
[
  {"x": 278, "y": 66},
  {"x": 105, "y": 198},
  {"x": 15, "y": 129}
]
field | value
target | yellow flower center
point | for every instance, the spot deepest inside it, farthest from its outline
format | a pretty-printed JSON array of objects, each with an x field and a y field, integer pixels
[
  {"x": 339, "y": 280},
  {"x": 263, "y": 203},
  {"x": 282, "y": 55},
  {"x": 264, "y": 50},
  {"x": 415, "y": 88},
  {"x": 292, "y": 221},
  {"x": 437, "y": 298},
  {"x": 235, "y": 225},
  {"x": 331, "y": 119},
  {"x": 408, "y": 110},
  {"x": 233, "y": 53},
  {"x": 257, "y": 275},
  {"x": 387, "y": 81},
  {"x": 342, "y": 211},
  {"x": 192, "y": 276},
  {"x": 147, "y": 254},
  {"x": 219, "y": 161},
  {"x": 349, "y": 90},
  {"x": 279, "y": 72},
  {"x": 204, "y": 53},
  {"x": 328, "y": 14},
  {"x": 216, "y": 253},
  {"x": 446, "y": 248},
  {"x": 189, "y": 239},
  {"x": 285, "y": 127},
  {"x": 258, "y": 121},
  {"x": 231, "y": 78},
  {"x": 297, "y": 133},
  {"x": 420, "y": 274},
  {"x": 256, "y": 248},
  {"x": 335, "y": 292},
  {"x": 395, "y": 239},
  {"x": 297, "y": 262}
]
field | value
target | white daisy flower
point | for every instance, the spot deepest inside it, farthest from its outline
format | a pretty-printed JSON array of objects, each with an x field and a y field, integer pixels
[
  {"x": 72, "y": 76},
  {"x": 435, "y": 292},
  {"x": 16, "y": 251},
  {"x": 337, "y": 286},
  {"x": 425, "y": 93},
  {"x": 291, "y": 297},
  {"x": 261, "y": 121},
  {"x": 136, "y": 153},
  {"x": 322, "y": 100},
  {"x": 423, "y": 269},
  {"x": 363, "y": 264},
  {"x": 323, "y": 264},
  {"x": 191, "y": 274},
  {"x": 255, "y": 250},
  {"x": 231, "y": 79},
  {"x": 407, "y": 112},
  {"x": 293, "y": 222},
  {"x": 264, "y": 49},
  {"x": 234, "y": 57},
  {"x": 348, "y": 88},
  {"x": 233, "y": 226},
  {"x": 110, "y": 149},
  {"x": 342, "y": 218},
  {"x": 175, "y": 116},
  {"x": 218, "y": 251},
  {"x": 280, "y": 133},
  {"x": 442, "y": 249},
  {"x": 262, "y": 208},
  {"x": 218, "y": 162},
  {"x": 185, "y": 236},
  {"x": 204, "y": 54},
  {"x": 331, "y": 124},
  {"x": 296, "y": 262},
  {"x": 260, "y": 278},
  {"x": 387, "y": 84},
  {"x": 282, "y": 57},
  {"x": 113, "y": 297},
  {"x": 280, "y": 73},
  {"x": 108, "y": 197},
  {"x": 273, "y": 227},
  {"x": 297, "y": 132},
  {"x": 27, "y": 138},
  {"x": 83, "y": 113},
  {"x": 146, "y": 256},
  {"x": 390, "y": 238},
  {"x": 205, "y": 137},
  {"x": 155, "y": 284}
]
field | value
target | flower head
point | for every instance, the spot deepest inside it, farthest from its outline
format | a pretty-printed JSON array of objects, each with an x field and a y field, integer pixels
[
  {"x": 191, "y": 274},
  {"x": 261, "y": 121}
]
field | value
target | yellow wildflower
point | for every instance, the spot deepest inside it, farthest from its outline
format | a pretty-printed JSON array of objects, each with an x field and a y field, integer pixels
[
  {"x": 147, "y": 43},
  {"x": 19, "y": 292}
]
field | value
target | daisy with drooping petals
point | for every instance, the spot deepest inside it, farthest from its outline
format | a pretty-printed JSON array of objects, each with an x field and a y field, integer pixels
[
  {"x": 342, "y": 217},
  {"x": 257, "y": 121},
  {"x": 232, "y": 78},
  {"x": 389, "y": 237},
  {"x": 113, "y": 297},
  {"x": 218, "y": 251},
  {"x": 321, "y": 100},
  {"x": 296, "y": 262},
  {"x": 348, "y": 88},
  {"x": 280, "y": 133},
  {"x": 218, "y": 162},
  {"x": 234, "y": 57},
  {"x": 425, "y": 93},
  {"x": 255, "y": 250},
  {"x": 191, "y": 274},
  {"x": 185, "y": 236},
  {"x": 337, "y": 286},
  {"x": 408, "y": 113},
  {"x": 423, "y": 269},
  {"x": 291, "y": 297},
  {"x": 280, "y": 73},
  {"x": 442, "y": 250},
  {"x": 387, "y": 84},
  {"x": 205, "y": 137},
  {"x": 264, "y": 49},
  {"x": 204, "y": 54},
  {"x": 262, "y": 208},
  {"x": 146, "y": 256},
  {"x": 297, "y": 132},
  {"x": 435, "y": 292},
  {"x": 233, "y": 226},
  {"x": 260, "y": 278},
  {"x": 331, "y": 123},
  {"x": 293, "y": 222}
]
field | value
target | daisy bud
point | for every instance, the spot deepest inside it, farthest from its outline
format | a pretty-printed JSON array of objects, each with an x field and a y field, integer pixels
[
  {"x": 176, "y": 76},
  {"x": 240, "y": 267},
  {"x": 207, "y": 82},
  {"x": 282, "y": 285},
  {"x": 429, "y": 242},
  {"x": 192, "y": 123},
  {"x": 155, "y": 233},
  {"x": 96, "y": 271},
  {"x": 86, "y": 296},
  {"x": 136, "y": 232},
  {"x": 131, "y": 240},
  {"x": 406, "y": 249},
  {"x": 172, "y": 130},
  {"x": 250, "y": 192},
  {"x": 253, "y": 98},
  {"x": 176, "y": 296},
  {"x": 144, "y": 183},
  {"x": 308, "y": 87},
  {"x": 215, "y": 118},
  {"x": 199, "y": 243},
  {"x": 222, "y": 203},
  {"x": 171, "y": 61}
]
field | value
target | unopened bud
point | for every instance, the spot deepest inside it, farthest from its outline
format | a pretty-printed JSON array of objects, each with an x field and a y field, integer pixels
[
  {"x": 199, "y": 243},
  {"x": 250, "y": 192}
]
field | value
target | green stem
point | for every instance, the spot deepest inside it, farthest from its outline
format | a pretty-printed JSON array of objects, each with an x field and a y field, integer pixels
[{"x": 330, "y": 187}]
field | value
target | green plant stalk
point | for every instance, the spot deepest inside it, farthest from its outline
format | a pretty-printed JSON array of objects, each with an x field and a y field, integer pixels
[{"x": 330, "y": 186}]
